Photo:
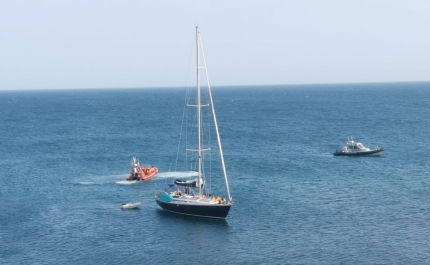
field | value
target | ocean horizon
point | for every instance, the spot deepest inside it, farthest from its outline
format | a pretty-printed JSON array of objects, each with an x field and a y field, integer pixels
[{"x": 284, "y": 86}]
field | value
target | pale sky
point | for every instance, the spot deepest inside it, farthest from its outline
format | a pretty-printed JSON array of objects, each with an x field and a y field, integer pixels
[{"x": 59, "y": 44}]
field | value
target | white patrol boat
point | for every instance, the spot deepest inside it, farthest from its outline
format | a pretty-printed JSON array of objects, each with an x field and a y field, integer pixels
[{"x": 353, "y": 148}]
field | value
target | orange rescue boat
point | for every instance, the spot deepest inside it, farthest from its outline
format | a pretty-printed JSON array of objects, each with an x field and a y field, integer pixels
[{"x": 141, "y": 173}]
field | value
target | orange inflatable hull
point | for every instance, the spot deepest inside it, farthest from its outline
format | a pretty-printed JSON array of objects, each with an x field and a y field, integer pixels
[{"x": 145, "y": 173}]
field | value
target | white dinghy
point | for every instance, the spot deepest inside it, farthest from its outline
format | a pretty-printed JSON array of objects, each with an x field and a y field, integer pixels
[{"x": 130, "y": 205}]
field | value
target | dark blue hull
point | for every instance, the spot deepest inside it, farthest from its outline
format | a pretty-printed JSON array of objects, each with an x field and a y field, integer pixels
[{"x": 208, "y": 210}]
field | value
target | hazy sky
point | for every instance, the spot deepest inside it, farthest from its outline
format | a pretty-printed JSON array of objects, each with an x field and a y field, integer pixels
[{"x": 138, "y": 43}]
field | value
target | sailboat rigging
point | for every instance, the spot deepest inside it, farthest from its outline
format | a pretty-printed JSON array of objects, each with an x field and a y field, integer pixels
[{"x": 189, "y": 201}]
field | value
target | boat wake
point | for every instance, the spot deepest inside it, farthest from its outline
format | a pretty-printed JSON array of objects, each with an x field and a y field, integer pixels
[
  {"x": 177, "y": 174},
  {"x": 100, "y": 180},
  {"x": 127, "y": 182},
  {"x": 86, "y": 183},
  {"x": 162, "y": 175}
]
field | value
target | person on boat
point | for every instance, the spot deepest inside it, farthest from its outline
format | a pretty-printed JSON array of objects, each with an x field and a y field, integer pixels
[
  {"x": 133, "y": 176},
  {"x": 223, "y": 201}
]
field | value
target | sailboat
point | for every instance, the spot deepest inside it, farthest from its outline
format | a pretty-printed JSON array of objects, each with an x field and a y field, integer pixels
[{"x": 188, "y": 197}]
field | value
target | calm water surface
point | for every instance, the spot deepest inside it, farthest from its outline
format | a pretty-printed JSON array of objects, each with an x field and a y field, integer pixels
[{"x": 64, "y": 153}]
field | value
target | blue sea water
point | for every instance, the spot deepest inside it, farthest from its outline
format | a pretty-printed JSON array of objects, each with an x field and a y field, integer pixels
[{"x": 64, "y": 154}]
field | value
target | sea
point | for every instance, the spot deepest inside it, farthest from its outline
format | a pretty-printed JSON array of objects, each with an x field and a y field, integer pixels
[{"x": 65, "y": 154}]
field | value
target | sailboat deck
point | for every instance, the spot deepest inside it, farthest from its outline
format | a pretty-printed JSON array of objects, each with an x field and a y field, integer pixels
[{"x": 193, "y": 199}]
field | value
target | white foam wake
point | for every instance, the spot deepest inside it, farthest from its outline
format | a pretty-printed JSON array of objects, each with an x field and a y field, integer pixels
[
  {"x": 100, "y": 179},
  {"x": 86, "y": 183},
  {"x": 176, "y": 174},
  {"x": 126, "y": 182}
]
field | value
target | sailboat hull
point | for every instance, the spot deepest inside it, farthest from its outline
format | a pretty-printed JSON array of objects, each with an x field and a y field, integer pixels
[{"x": 208, "y": 210}]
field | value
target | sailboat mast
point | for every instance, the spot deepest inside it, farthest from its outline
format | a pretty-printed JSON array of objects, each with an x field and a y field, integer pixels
[
  {"x": 199, "y": 114},
  {"x": 216, "y": 126}
]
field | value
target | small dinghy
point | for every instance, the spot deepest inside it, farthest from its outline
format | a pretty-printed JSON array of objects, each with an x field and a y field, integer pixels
[{"x": 130, "y": 205}]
